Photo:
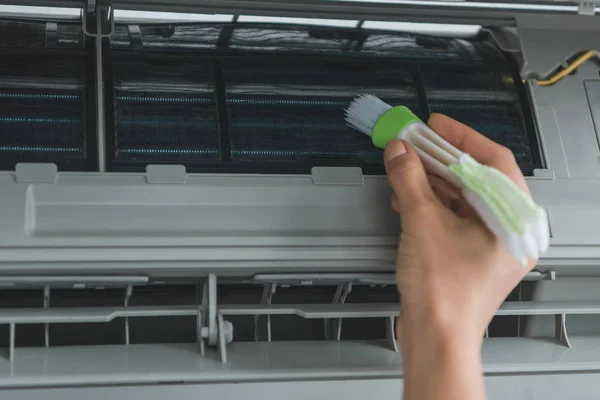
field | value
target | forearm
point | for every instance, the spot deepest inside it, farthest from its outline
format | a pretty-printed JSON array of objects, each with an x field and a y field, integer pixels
[{"x": 442, "y": 367}]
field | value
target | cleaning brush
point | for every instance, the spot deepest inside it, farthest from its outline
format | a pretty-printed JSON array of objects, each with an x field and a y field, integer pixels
[{"x": 519, "y": 223}]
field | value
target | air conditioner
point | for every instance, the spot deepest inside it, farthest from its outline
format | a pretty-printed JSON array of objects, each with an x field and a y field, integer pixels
[{"x": 185, "y": 214}]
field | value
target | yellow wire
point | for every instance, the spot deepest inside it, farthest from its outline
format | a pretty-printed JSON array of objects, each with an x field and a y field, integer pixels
[{"x": 572, "y": 67}]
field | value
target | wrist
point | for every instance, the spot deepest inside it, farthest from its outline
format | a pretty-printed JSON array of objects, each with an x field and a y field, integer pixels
[
  {"x": 419, "y": 335},
  {"x": 442, "y": 365}
]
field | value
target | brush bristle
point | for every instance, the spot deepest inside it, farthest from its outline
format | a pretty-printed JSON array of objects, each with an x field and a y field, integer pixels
[{"x": 364, "y": 111}]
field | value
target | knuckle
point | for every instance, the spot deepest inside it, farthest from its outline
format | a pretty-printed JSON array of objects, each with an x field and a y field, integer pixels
[
  {"x": 394, "y": 174},
  {"x": 401, "y": 170},
  {"x": 506, "y": 154},
  {"x": 397, "y": 165},
  {"x": 424, "y": 210},
  {"x": 398, "y": 179}
]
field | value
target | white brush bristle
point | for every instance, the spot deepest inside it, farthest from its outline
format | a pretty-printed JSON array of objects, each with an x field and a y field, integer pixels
[{"x": 364, "y": 111}]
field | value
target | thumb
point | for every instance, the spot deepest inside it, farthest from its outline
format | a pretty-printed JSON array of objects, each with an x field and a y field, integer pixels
[{"x": 407, "y": 176}]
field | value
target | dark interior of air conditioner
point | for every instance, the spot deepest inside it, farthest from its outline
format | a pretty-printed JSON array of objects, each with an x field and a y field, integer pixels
[
  {"x": 241, "y": 98},
  {"x": 182, "y": 329}
]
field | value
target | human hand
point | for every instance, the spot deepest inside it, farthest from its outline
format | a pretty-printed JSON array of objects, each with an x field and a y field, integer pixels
[{"x": 452, "y": 272}]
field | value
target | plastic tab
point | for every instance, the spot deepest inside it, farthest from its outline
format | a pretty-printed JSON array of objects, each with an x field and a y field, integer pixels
[
  {"x": 588, "y": 7},
  {"x": 337, "y": 176},
  {"x": 36, "y": 173},
  {"x": 166, "y": 174}
]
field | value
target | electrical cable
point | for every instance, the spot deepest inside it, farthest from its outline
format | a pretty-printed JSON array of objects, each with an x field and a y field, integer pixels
[{"x": 570, "y": 68}]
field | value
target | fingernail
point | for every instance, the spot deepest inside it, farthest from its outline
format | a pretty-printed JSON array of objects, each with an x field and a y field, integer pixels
[{"x": 393, "y": 149}]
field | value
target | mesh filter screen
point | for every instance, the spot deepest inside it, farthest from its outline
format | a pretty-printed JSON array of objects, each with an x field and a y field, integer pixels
[
  {"x": 165, "y": 109},
  {"x": 167, "y": 37},
  {"x": 22, "y": 34},
  {"x": 38, "y": 34},
  {"x": 294, "y": 109},
  {"x": 289, "y": 39},
  {"x": 418, "y": 46},
  {"x": 280, "y": 92},
  {"x": 67, "y": 35},
  {"x": 42, "y": 108},
  {"x": 486, "y": 100}
]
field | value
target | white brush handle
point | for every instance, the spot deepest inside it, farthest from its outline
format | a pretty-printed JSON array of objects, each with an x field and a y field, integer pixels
[
  {"x": 515, "y": 244},
  {"x": 435, "y": 152}
]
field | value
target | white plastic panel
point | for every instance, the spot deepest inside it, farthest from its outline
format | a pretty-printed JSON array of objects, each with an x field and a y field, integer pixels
[
  {"x": 265, "y": 223},
  {"x": 103, "y": 206},
  {"x": 263, "y": 361},
  {"x": 208, "y": 210},
  {"x": 499, "y": 387}
]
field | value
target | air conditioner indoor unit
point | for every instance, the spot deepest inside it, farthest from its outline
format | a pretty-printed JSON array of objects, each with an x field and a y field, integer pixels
[{"x": 184, "y": 212}]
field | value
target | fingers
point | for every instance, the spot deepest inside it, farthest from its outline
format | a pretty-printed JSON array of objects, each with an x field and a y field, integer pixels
[
  {"x": 484, "y": 150},
  {"x": 448, "y": 194},
  {"x": 451, "y": 197},
  {"x": 445, "y": 191},
  {"x": 395, "y": 204},
  {"x": 407, "y": 177}
]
